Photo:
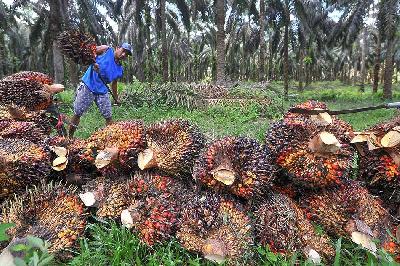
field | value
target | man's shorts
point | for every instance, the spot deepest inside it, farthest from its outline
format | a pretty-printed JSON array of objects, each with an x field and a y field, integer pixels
[{"x": 84, "y": 99}]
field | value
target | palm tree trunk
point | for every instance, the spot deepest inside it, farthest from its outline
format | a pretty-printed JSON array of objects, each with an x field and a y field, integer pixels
[
  {"x": 164, "y": 49},
  {"x": 140, "y": 45},
  {"x": 73, "y": 73},
  {"x": 3, "y": 64},
  {"x": 301, "y": 70},
  {"x": 220, "y": 57},
  {"x": 286, "y": 61},
  {"x": 57, "y": 9},
  {"x": 377, "y": 64},
  {"x": 387, "y": 87},
  {"x": 58, "y": 63},
  {"x": 261, "y": 74},
  {"x": 149, "y": 59},
  {"x": 363, "y": 58},
  {"x": 270, "y": 57}
]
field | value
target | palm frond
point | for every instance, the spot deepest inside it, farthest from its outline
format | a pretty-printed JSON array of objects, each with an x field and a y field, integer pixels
[{"x": 185, "y": 13}]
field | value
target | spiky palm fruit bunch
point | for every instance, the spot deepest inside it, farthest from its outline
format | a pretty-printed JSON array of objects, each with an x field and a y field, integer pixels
[
  {"x": 116, "y": 147},
  {"x": 349, "y": 211},
  {"x": 391, "y": 245},
  {"x": 51, "y": 212},
  {"x": 313, "y": 150},
  {"x": 300, "y": 119},
  {"x": 238, "y": 165},
  {"x": 31, "y": 75},
  {"x": 282, "y": 225},
  {"x": 154, "y": 210},
  {"x": 78, "y": 46},
  {"x": 29, "y": 94},
  {"x": 109, "y": 197},
  {"x": 21, "y": 130},
  {"x": 172, "y": 146},
  {"x": 70, "y": 158},
  {"x": 22, "y": 163},
  {"x": 380, "y": 161},
  {"x": 40, "y": 118},
  {"x": 215, "y": 227}
]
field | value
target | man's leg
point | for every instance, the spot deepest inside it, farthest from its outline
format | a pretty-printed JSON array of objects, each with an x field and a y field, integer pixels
[
  {"x": 83, "y": 100},
  {"x": 109, "y": 121},
  {"x": 73, "y": 124},
  {"x": 103, "y": 102}
]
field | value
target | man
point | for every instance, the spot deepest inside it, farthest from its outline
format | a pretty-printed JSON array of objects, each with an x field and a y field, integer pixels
[{"x": 93, "y": 86}]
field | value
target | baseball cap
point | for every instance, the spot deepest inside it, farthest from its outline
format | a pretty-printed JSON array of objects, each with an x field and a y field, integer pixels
[{"x": 127, "y": 47}]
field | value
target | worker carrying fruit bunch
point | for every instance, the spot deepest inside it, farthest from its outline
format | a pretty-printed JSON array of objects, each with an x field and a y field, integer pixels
[{"x": 106, "y": 69}]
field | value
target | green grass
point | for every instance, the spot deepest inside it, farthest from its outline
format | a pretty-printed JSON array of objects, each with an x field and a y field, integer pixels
[
  {"x": 216, "y": 121},
  {"x": 110, "y": 244}
]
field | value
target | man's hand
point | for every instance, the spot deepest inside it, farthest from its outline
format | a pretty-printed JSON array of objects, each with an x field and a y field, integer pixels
[
  {"x": 96, "y": 67},
  {"x": 117, "y": 102}
]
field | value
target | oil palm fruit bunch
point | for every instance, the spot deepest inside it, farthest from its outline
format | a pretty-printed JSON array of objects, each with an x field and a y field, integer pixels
[
  {"x": 40, "y": 118},
  {"x": 155, "y": 206},
  {"x": 78, "y": 46},
  {"x": 350, "y": 211},
  {"x": 21, "y": 130},
  {"x": 171, "y": 146},
  {"x": 116, "y": 147},
  {"x": 22, "y": 163},
  {"x": 313, "y": 151},
  {"x": 109, "y": 197},
  {"x": 282, "y": 224},
  {"x": 38, "y": 77},
  {"x": 51, "y": 212},
  {"x": 31, "y": 75},
  {"x": 217, "y": 228},
  {"x": 71, "y": 160},
  {"x": 30, "y": 94},
  {"x": 380, "y": 160},
  {"x": 237, "y": 165}
]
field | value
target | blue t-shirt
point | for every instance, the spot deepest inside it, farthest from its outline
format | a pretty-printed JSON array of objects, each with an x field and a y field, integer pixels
[{"x": 109, "y": 71}]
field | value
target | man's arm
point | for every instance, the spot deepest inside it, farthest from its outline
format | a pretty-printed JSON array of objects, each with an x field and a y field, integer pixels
[
  {"x": 114, "y": 91},
  {"x": 101, "y": 49}
]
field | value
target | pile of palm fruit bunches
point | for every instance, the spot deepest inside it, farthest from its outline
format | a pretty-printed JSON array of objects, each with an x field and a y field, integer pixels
[{"x": 220, "y": 198}]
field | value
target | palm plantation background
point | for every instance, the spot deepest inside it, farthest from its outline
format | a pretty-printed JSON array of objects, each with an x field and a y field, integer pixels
[{"x": 200, "y": 40}]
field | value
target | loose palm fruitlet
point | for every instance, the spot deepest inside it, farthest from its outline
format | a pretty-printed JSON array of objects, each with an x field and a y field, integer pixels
[
  {"x": 31, "y": 75},
  {"x": 22, "y": 163},
  {"x": 235, "y": 164},
  {"x": 30, "y": 94},
  {"x": 350, "y": 211},
  {"x": 313, "y": 151},
  {"x": 155, "y": 206},
  {"x": 280, "y": 223},
  {"x": 78, "y": 46},
  {"x": 380, "y": 161},
  {"x": 71, "y": 160},
  {"x": 41, "y": 119},
  {"x": 116, "y": 147},
  {"x": 172, "y": 147},
  {"x": 217, "y": 228},
  {"x": 51, "y": 212},
  {"x": 21, "y": 130}
]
